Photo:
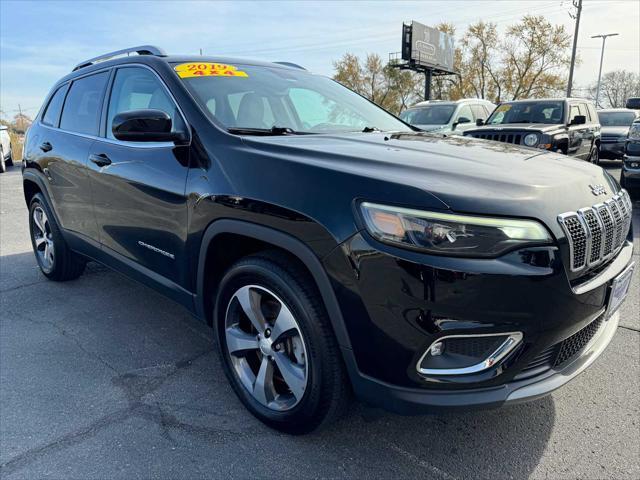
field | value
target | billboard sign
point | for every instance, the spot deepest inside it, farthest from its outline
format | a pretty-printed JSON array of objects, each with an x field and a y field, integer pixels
[{"x": 427, "y": 47}]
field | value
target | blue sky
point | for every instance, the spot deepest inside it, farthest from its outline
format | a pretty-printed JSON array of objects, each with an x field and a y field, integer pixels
[{"x": 41, "y": 41}]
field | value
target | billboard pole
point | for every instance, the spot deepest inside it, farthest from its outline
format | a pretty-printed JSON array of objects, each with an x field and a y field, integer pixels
[{"x": 427, "y": 84}]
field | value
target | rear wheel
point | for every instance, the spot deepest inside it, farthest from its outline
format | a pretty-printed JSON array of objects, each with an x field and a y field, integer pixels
[
  {"x": 10, "y": 159},
  {"x": 55, "y": 259},
  {"x": 594, "y": 157},
  {"x": 3, "y": 166},
  {"x": 276, "y": 344}
]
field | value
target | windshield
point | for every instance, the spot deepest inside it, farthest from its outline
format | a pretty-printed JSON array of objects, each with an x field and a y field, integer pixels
[
  {"x": 261, "y": 98},
  {"x": 429, "y": 115},
  {"x": 616, "y": 119},
  {"x": 528, "y": 112}
]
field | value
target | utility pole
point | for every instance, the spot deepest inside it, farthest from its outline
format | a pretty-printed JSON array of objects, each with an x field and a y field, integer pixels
[
  {"x": 578, "y": 5},
  {"x": 604, "y": 39}
]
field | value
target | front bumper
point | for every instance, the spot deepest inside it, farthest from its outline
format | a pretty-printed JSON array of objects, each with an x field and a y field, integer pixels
[
  {"x": 612, "y": 150},
  {"x": 411, "y": 401},
  {"x": 630, "y": 173},
  {"x": 397, "y": 303}
]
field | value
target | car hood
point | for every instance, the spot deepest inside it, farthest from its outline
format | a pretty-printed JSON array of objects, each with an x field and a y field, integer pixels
[
  {"x": 534, "y": 127},
  {"x": 465, "y": 174},
  {"x": 615, "y": 131},
  {"x": 432, "y": 128}
]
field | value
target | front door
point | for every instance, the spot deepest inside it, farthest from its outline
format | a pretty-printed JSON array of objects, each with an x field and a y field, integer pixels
[
  {"x": 139, "y": 187},
  {"x": 579, "y": 136}
]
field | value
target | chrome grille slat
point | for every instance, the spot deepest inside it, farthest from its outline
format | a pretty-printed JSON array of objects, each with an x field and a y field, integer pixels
[{"x": 596, "y": 233}]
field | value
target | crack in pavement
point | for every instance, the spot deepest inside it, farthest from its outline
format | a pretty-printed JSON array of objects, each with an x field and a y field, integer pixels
[
  {"x": 629, "y": 328},
  {"x": 135, "y": 388}
]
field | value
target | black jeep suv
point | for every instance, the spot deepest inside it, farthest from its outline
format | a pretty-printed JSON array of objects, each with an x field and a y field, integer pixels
[
  {"x": 569, "y": 126},
  {"x": 331, "y": 247}
]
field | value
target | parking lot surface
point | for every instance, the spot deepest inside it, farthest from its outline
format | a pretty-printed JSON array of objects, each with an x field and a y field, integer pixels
[{"x": 103, "y": 378}]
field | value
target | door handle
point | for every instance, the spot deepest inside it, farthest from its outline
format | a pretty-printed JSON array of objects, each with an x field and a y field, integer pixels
[
  {"x": 100, "y": 160},
  {"x": 46, "y": 147}
]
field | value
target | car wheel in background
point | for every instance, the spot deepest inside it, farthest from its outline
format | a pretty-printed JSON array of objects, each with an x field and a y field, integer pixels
[
  {"x": 277, "y": 346},
  {"x": 3, "y": 166},
  {"x": 55, "y": 259},
  {"x": 594, "y": 157},
  {"x": 10, "y": 159}
]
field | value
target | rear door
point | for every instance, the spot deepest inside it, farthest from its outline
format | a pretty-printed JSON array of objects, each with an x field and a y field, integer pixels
[
  {"x": 68, "y": 128},
  {"x": 139, "y": 187}
]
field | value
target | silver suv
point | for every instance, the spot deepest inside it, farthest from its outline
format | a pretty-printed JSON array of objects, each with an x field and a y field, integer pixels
[{"x": 448, "y": 116}]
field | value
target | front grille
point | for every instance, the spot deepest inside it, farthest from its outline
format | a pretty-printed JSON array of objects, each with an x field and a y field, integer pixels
[
  {"x": 576, "y": 342},
  {"x": 557, "y": 355},
  {"x": 612, "y": 139},
  {"x": 597, "y": 233},
  {"x": 499, "y": 137}
]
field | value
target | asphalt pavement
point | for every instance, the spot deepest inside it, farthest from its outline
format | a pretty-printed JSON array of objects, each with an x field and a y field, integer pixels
[{"x": 104, "y": 378}]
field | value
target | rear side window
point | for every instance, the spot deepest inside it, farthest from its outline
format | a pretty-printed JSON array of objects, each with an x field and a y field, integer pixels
[
  {"x": 136, "y": 88},
  {"x": 81, "y": 112},
  {"x": 51, "y": 115}
]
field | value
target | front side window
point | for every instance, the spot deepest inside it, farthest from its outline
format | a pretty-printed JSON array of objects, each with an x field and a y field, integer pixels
[
  {"x": 574, "y": 112},
  {"x": 51, "y": 115},
  {"x": 616, "y": 119},
  {"x": 259, "y": 97},
  {"x": 465, "y": 112},
  {"x": 527, "y": 112},
  {"x": 136, "y": 88},
  {"x": 429, "y": 115},
  {"x": 81, "y": 111}
]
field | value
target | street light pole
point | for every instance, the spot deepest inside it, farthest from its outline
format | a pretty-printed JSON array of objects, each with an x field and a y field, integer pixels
[{"x": 604, "y": 39}]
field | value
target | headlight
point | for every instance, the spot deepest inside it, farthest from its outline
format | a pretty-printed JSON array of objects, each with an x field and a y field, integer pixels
[
  {"x": 634, "y": 132},
  {"x": 531, "y": 139},
  {"x": 452, "y": 234}
]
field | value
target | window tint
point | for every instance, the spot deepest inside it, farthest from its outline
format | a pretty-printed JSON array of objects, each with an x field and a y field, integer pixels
[
  {"x": 81, "y": 112},
  {"x": 548, "y": 112},
  {"x": 51, "y": 115},
  {"x": 429, "y": 114},
  {"x": 138, "y": 89}
]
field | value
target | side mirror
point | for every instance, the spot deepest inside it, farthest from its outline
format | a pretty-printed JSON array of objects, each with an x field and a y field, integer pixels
[
  {"x": 461, "y": 120},
  {"x": 480, "y": 122},
  {"x": 578, "y": 120},
  {"x": 144, "y": 126}
]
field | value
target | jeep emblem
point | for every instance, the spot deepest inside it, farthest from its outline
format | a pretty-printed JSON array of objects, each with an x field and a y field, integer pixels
[{"x": 597, "y": 190}]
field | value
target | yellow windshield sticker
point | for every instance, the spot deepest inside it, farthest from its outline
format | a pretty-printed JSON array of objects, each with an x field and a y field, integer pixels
[
  {"x": 505, "y": 107},
  {"x": 207, "y": 69}
]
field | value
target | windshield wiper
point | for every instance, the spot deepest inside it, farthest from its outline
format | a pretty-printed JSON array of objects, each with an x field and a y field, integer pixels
[
  {"x": 370, "y": 129},
  {"x": 264, "y": 131}
]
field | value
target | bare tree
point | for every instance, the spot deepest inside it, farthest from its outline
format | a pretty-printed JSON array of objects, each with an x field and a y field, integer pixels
[{"x": 616, "y": 87}]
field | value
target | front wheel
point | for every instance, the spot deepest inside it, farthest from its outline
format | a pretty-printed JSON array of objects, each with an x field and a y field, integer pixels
[
  {"x": 276, "y": 344},
  {"x": 10, "y": 159}
]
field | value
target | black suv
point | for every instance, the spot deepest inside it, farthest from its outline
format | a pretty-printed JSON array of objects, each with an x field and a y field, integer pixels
[
  {"x": 569, "y": 126},
  {"x": 331, "y": 247}
]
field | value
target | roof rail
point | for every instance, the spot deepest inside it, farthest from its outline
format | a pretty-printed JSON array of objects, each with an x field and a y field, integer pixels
[
  {"x": 290, "y": 64},
  {"x": 141, "y": 50}
]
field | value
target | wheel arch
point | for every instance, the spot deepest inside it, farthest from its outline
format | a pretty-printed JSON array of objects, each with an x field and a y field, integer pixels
[
  {"x": 33, "y": 182},
  {"x": 258, "y": 238}
]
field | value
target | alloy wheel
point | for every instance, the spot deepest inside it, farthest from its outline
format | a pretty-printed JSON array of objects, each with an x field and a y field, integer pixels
[
  {"x": 43, "y": 238},
  {"x": 266, "y": 347}
]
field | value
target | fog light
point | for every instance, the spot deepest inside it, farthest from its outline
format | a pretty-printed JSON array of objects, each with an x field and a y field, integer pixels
[
  {"x": 437, "y": 349},
  {"x": 467, "y": 354}
]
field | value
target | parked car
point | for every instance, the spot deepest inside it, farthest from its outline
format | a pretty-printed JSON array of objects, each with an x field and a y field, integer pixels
[
  {"x": 569, "y": 126},
  {"x": 633, "y": 103},
  {"x": 443, "y": 117},
  {"x": 331, "y": 247},
  {"x": 6, "y": 155},
  {"x": 615, "y": 124},
  {"x": 630, "y": 174}
]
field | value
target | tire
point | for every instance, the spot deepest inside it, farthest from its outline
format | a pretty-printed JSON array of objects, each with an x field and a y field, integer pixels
[
  {"x": 55, "y": 259},
  {"x": 10, "y": 159},
  {"x": 3, "y": 166},
  {"x": 319, "y": 392},
  {"x": 594, "y": 156}
]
